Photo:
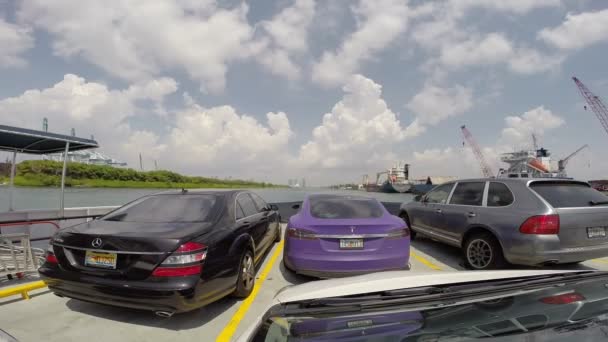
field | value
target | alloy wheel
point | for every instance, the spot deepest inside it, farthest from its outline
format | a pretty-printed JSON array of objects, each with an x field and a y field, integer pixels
[
  {"x": 247, "y": 272},
  {"x": 479, "y": 253}
]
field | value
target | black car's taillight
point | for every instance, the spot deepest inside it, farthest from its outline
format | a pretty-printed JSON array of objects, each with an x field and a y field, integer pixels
[
  {"x": 185, "y": 261},
  {"x": 50, "y": 256}
]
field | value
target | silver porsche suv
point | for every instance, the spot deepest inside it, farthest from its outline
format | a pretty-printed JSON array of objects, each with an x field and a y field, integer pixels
[{"x": 496, "y": 221}]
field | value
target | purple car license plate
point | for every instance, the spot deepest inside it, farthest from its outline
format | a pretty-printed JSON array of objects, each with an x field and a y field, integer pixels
[{"x": 351, "y": 243}]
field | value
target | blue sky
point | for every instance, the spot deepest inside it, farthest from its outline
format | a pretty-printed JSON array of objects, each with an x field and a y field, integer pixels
[{"x": 301, "y": 88}]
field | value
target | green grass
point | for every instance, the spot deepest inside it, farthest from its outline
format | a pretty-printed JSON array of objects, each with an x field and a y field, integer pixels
[{"x": 41, "y": 181}]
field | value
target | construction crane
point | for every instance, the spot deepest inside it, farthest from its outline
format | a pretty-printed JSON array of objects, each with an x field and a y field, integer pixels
[
  {"x": 596, "y": 104},
  {"x": 534, "y": 142},
  {"x": 485, "y": 168},
  {"x": 561, "y": 164}
]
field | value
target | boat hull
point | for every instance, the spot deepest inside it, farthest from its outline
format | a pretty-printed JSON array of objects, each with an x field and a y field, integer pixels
[{"x": 395, "y": 188}]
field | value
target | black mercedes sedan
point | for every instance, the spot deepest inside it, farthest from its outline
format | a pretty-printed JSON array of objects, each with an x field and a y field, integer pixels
[{"x": 170, "y": 252}]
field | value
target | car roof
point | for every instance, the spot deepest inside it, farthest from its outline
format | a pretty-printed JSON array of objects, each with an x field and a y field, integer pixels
[{"x": 334, "y": 196}]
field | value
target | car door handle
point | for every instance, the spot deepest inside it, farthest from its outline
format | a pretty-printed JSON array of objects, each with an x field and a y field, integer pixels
[
  {"x": 470, "y": 214},
  {"x": 438, "y": 211}
]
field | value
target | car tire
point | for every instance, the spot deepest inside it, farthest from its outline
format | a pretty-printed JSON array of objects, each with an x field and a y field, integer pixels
[
  {"x": 483, "y": 252},
  {"x": 406, "y": 218},
  {"x": 246, "y": 278}
]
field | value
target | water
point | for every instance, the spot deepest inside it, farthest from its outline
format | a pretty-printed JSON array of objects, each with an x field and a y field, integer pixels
[{"x": 48, "y": 198}]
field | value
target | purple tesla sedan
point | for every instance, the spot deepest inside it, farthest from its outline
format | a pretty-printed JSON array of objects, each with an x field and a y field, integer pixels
[{"x": 334, "y": 235}]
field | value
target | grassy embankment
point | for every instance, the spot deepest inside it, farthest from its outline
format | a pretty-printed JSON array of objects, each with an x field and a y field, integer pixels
[{"x": 45, "y": 173}]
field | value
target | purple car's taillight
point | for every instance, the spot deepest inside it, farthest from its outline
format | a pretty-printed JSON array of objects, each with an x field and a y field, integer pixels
[
  {"x": 301, "y": 234},
  {"x": 398, "y": 233}
]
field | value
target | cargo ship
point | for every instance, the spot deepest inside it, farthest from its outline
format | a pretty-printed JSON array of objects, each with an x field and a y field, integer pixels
[{"x": 397, "y": 180}]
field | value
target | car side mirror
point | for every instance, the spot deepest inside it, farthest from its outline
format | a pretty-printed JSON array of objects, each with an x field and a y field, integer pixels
[
  {"x": 418, "y": 198},
  {"x": 295, "y": 206},
  {"x": 274, "y": 207}
]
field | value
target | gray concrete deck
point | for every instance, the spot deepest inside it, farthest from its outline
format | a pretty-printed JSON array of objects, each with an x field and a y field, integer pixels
[{"x": 49, "y": 318}]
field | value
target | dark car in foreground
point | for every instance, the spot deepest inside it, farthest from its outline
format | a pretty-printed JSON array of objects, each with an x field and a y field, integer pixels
[
  {"x": 169, "y": 252},
  {"x": 520, "y": 221},
  {"x": 516, "y": 305},
  {"x": 337, "y": 235}
]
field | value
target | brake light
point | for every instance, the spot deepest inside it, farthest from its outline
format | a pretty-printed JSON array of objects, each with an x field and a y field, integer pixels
[
  {"x": 398, "y": 233},
  {"x": 301, "y": 234},
  {"x": 565, "y": 298},
  {"x": 185, "y": 261},
  {"x": 51, "y": 258},
  {"x": 542, "y": 224},
  {"x": 50, "y": 255}
]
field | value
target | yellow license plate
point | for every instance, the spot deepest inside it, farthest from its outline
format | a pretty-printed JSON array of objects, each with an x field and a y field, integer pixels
[{"x": 103, "y": 260}]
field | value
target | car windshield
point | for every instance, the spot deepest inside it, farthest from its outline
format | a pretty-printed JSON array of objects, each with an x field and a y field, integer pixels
[
  {"x": 166, "y": 208},
  {"x": 577, "y": 311},
  {"x": 342, "y": 207},
  {"x": 568, "y": 194}
]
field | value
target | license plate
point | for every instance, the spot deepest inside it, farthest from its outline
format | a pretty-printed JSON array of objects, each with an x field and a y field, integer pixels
[
  {"x": 351, "y": 243},
  {"x": 102, "y": 260},
  {"x": 595, "y": 232}
]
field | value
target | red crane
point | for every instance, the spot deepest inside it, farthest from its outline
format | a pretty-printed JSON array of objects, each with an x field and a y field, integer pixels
[
  {"x": 485, "y": 168},
  {"x": 596, "y": 104}
]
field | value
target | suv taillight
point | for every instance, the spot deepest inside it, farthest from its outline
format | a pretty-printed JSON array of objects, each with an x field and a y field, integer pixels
[
  {"x": 542, "y": 224},
  {"x": 301, "y": 234},
  {"x": 185, "y": 261}
]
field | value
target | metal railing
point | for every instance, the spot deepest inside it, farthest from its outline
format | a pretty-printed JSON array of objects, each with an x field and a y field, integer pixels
[{"x": 17, "y": 257}]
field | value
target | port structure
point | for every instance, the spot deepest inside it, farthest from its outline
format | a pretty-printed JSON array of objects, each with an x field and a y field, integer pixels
[
  {"x": 486, "y": 170},
  {"x": 596, "y": 104}
]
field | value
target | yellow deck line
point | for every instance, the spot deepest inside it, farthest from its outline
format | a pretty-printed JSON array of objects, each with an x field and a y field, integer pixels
[
  {"x": 231, "y": 327},
  {"x": 426, "y": 262},
  {"x": 22, "y": 289}
]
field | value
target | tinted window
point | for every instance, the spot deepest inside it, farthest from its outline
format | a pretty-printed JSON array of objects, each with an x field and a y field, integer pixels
[
  {"x": 567, "y": 194},
  {"x": 439, "y": 194},
  {"x": 344, "y": 207},
  {"x": 166, "y": 208},
  {"x": 499, "y": 195},
  {"x": 469, "y": 193},
  {"x": 239, "y": 211},
  {"x": 247, "y": 205},
  {"x": 259, "y": 202}
]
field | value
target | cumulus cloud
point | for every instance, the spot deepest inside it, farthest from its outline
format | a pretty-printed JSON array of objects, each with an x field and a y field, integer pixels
[
  {"x": 14, "y": 40},
  {"x": 219, "y": 138},
  {"x": 90, "y": 108},
  {"x": 379, "y": 23},
  {"x": 360, "y": 128},
  {"x": 286, "y": 34},
  {"x": 578, "y": 30},
  {"x": 519, "y": 129},
  {"x": 434, "y": 104},
  {"x": 140, "y": 40},
  {"x": 511, "y": 6}
]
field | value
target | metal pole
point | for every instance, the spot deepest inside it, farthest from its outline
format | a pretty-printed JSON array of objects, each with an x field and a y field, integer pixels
[
  {"x": 12, "y": 183},
  {"x": 65, "y": 159}
]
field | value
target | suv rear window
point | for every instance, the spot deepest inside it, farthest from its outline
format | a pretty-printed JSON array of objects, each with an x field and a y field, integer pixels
[
  {"x": 340, "y": 207},
  {"x": 166, "y": 208},
  {"x": 568, "y": 194}
]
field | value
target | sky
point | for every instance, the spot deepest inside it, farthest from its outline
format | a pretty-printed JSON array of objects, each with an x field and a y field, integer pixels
[{"x": 322, "y": 90}]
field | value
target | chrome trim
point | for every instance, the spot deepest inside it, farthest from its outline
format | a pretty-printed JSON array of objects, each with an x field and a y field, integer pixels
[
  {"x": 107, "y": 251},
  {"x": 354, "y": 236}
]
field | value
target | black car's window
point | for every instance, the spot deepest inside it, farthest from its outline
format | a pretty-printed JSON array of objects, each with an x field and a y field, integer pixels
[
  {"x": 468, "y": 193},
  {"x": 166, "y": 208},
  {"x": 341, "y": 207},
  {"x": 439, "y": 194},
  {"x": 568, "y": 194},
  {"x": 239, "y": 211},
  {"x": 259, "y": 202},
  {"x": 247, "y": 204},
  {"x": 499, "y": 195}
]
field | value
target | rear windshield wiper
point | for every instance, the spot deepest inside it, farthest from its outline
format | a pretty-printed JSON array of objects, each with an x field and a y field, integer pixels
[{"x": 593, "y": 203}]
